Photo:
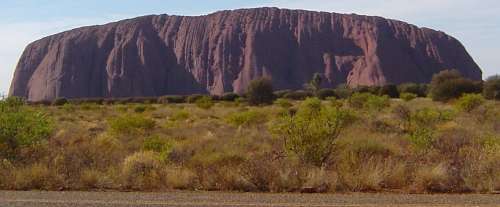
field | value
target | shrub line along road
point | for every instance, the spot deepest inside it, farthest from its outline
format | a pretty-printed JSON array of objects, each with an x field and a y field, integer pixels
[{"x": 209, "y": 199}]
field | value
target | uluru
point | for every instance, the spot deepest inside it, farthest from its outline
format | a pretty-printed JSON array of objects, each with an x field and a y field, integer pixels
[{"x": 222, "y": 52}]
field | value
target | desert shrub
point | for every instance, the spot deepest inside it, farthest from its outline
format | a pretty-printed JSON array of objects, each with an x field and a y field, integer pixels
[
  {"x": 161, "y": 146},
  {"x": 229, "y": 96},
  {"x": 469, "y": 102},
  {"x": 368, "y": 164},
  {"x": 95, "y": 179},
  {"x": 35, "y": 177},
  {"x": 6, "y": 174},
  {"x": 204, "y": 102},
  {"x": 418, "y": 89},
  {"x": 180, "y": 115},
  {"x": 140, "y": 109},
  {"x": 422, "y": 138},
  {"x": 407, "y": 96},
  {"x": 143, "y": 171},
  {"x": 282, "y": 93},
  {"x": 481, "y": 170},
  {"x": 448, "y": 85},
  {"x": 326, "y": 93},
  {"x": 219, "y": 171},
  {"x": 314, "y": 85},
  {"x": 298, "y": 95},
  {"x": 193, "y": 98},
  {"x": 104, "y": 151},
  {"x": 334, "y": 102},
  {"x": 260, "y": 171},
  {"x": 428, "y": 118},
  {"x": 367, "y": 89},
  {"x": 390, "y": 90},
  {"x": 68, "y": 107},
  {"x": 246, "y": 118},
  {"x": 377, "y": 103},
  {"x": 181, "y": 179},
  {"x": 368, "y": 101},
  {"x": 139, "y": 100},
  {"x": 358, "y": 100},
  {"x": 433, "y": 179},
  {"x": 312, "y": 132},
  {"x": 450, "y": 143},
  {"x": 403, "y": 114},
  {"x": 21, "y": 127},
  {"x": 424, "y": 122},
  {"x": 131, "y": 124},
  {"x": 260, "y": 92},
  {"x": 171, "y": 99},
  {"x": 60, "y": 101},
  {"x": 491, "y": 88},
  {"x": 343, "y": 91},
  {"x": 89, "y": 106},
  {"x": 284, "y": 103}
]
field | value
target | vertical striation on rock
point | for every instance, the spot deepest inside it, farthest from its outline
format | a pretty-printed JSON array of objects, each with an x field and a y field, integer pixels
[{"x": 224, "y": 51}]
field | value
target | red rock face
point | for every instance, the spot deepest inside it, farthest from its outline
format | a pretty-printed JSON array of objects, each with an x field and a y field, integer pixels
[{"x": 224, "y": 51}]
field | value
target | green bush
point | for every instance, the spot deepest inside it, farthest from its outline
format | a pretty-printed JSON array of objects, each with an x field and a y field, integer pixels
[
  {"x": 142, "y": 171},
  {"x": 180, "y": 115},
  {"x": 469, "y": 102},
  {"x": 140, "y": 109},
  {"x": 448, "y": 85},
  {"x": 285, "y": 103},
  {"x": 282, "y": 93},
  {"x": 377, "y": 103},
  {"x": 407, "y": 96},
  {"x": 311, "y": 133},
  {"x": 260, "y": 92},
  {"x": 343, "y": 93},
  {"x": 326, "y": 93},
  {"x": 358, "y": 100},
  {"x": 21, "y": 127},
  {"x": 60, "y": 101},
  {"x": 131, "y": 124},
  {"x": 368, "y": 101},
  {"x": 161, "y": 146},
  {"x": 422, "y": 138},
  {"x": 428, "y": 117},
  {"x": 491, "y": 88},
  {"x": 389, "y": 90},
  {"x": 171, "y": 99},
  {"x": 367, "y": 89},
  {"x": 418, "y": 89},
  {"x": 193, "y": 98},
  {"x": 298, "y": 95},
  {"x": 204, "y": 102},
  {"x": 334, "y": 102},
  {"x": 229, "y": 97},
  {"x": 246, "y": 118}
]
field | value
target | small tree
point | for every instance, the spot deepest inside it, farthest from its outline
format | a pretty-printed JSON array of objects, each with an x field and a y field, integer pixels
[
  {"x": 311, "y": 133},
  {"x": 260, "y": 91},
  {"x": 390, "y": 90},
  {"x": 315, "y": 84},
  {"x": 204, "y": 102},
  {"x": 407, "y": 96},
  {"x": 491, "y": 88},
  {"x": 450, "y": 84},
  {"x": 20, "y": 127}
]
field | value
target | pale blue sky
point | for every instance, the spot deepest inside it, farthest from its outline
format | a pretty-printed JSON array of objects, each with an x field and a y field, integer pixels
[{"x": 476, "y": 23}]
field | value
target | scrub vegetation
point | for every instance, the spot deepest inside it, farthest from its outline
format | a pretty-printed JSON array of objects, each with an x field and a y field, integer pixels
[{"x": 364, "y": 139}]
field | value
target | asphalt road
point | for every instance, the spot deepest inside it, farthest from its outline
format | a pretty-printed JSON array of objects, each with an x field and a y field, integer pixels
[{"x": 209, "y": 199}]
